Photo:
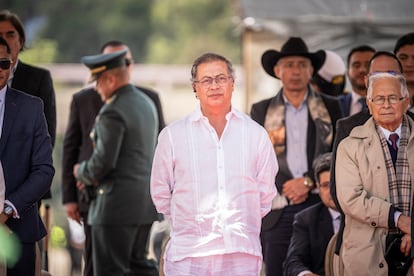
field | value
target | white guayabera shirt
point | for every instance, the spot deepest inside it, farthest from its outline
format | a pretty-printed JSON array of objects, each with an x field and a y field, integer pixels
[{"x": 214, "y": 192}]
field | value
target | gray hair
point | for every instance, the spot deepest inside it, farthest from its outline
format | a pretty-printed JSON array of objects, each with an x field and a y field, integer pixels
[
  {"x": 321, "y": 164},
  {"x": 381, "y": 75},
  {"x": 209, "y": 57}
]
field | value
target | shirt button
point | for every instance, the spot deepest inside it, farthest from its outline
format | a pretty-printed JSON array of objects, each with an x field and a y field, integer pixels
[
  {"x": 373, "y": 224},
  {"x": 381, "y": 265},
  {"x": 101, "y": 191}
]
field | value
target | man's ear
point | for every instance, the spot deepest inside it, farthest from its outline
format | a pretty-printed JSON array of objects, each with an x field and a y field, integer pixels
[
  {"x": 366, "y": 81},
  {"x": 276, "y": 70}
]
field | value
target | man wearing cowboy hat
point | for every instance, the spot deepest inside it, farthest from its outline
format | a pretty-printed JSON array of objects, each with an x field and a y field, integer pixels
[{"x": 300, "y": 123}]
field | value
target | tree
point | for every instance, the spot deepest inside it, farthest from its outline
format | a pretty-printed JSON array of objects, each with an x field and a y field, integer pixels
[
  {"x": 157, "y": 31},
  {"x": 82, "y": 27},
  {"x": 184, "y": 29}
]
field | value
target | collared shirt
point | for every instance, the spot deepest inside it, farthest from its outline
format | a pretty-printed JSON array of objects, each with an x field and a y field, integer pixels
[
  {"x": 2, "y": 102},
  {"x": 336, "y": 219},
  {"x": 387, "y": 133},
  {"x": 11, "y": 75},
  {"x": 296, "y": 137},
  {"x": 2, "y": 189},
  {"x": 213, "y": 191},
  {"x": 356, "y": 106}
]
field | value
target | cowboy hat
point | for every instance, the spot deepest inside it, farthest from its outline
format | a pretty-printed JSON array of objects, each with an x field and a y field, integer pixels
[{"x": 295, "y": 46}]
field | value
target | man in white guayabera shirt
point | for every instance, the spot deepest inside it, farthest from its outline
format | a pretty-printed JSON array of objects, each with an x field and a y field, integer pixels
[{"x": 213, "y": 178}]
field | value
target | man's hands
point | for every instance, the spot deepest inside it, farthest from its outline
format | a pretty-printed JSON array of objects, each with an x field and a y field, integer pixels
[
  {"x": 3, "y": 218},
  {"x": 406, "y": 244},
  {"x": 295, "y": 190},
  {"x": 72, "y": 211},
  {"x": 404, "y": 224},
  {"x": 75, "y": 170}
]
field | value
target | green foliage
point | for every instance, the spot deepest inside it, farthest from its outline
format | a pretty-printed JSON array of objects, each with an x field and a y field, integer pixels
[
  {"x": 157, "y": 31},
  {"x": 58, "y": 237},
  {"x": 10, "y": 245},
  {"x": 182, "y": 30},
  {"x": 41, "y": 51}
]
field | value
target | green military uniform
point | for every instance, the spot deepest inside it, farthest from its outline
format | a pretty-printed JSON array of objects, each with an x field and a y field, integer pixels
[{"x": 122, "y": 213}]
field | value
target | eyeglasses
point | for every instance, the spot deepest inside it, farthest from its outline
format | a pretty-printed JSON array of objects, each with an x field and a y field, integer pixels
[
  {"x": 5, "y": 64},
  {"x": 392, "y": 99},
  {"x": 208, "y": 81},
  {"x": 324, "y": 185}
]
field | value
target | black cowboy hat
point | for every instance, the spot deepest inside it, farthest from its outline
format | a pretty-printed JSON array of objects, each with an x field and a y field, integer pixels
[{"x": 295, "y": 46}]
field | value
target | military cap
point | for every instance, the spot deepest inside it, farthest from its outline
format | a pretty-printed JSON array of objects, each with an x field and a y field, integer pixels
[{"x": 98, "y": 64}]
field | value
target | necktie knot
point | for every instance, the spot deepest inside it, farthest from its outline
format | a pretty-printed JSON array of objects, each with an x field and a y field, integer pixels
[{"x": 394, "y": 138}]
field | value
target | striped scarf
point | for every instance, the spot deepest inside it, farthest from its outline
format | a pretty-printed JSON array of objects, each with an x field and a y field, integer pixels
[{"x": 399, "y": 180}]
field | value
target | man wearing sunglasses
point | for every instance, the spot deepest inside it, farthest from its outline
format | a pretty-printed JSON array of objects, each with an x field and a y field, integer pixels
[
  {"x": 27, "y": 78},
  {"x": 26, "y": 157}
]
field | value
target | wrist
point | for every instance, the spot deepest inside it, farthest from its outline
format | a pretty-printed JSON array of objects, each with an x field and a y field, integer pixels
[
  {"x": 308, "y": 182},
  {"x": 8, "y": 211}
]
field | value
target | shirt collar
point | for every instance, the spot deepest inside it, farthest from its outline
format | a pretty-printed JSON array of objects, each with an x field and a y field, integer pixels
[
  {"x": 301, "y": 104},
  {"x": 11, "y": 74},
  {"x": 334, "y": 213},
  {"x": 387, "y": 133},
  {"x": 355, "y": 97},
  {"x": 198, "y": 115}
]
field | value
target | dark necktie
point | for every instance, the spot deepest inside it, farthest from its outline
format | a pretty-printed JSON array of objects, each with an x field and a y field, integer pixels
[
  {"x": 394, "y": 147},
  {"x": 363, "y": 103},
  {"x": 394, "y": 138}
]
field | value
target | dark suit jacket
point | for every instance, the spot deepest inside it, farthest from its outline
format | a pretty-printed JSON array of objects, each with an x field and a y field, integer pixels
[
  {"x": 26, "y": 156},
  {"x": 77, "y": 144},
  {"x": 258, "y": 113},
  {"x": 345, "y": 103},
  {"x": 125, "y": 136},
  {"x": 344, "y": 127},
  {"x": 38, "y": 82},
  {"x": 312, "y": 231}
]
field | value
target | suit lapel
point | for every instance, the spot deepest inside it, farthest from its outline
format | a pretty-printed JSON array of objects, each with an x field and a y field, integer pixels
[
  {"x": 17, "y": 82},
  {"x": 10, "y": 112},
  {"x": 326, "y": 223}
]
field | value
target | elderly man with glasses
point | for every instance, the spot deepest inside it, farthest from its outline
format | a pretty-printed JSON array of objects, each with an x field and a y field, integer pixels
[{"x": 374, "y": 182}]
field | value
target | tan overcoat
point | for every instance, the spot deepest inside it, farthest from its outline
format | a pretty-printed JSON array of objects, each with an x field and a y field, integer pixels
[{"x": 362, "y": 190}]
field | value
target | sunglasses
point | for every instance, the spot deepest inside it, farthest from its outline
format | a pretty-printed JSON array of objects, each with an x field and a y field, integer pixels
[{"x": 5, "y": 64}]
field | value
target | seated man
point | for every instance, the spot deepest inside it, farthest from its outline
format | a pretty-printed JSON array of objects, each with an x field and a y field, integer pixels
[{"x": 313, "y": 227}]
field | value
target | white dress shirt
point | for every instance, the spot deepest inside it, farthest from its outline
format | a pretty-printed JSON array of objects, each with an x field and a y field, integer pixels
[
  {"x": 213, "y": 191},
  {"x": 2, "y": 189},
  {"x": 356, "y": 106},
  {"x": 2, "y": 183}
]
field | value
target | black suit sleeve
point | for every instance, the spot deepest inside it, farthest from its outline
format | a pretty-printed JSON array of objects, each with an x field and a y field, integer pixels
[
  {"x": 340, "y": 135},
  {"x": 299, "y": 257},
  {"x": 70, "y": 153},
  {"x": 47, "y": 94},
  {"x": 37, "y": 82},
  {"x": 156, "y": 100}
]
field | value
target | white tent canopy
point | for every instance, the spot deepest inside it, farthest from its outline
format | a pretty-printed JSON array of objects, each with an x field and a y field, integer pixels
[
  {"x": 336, "y": 25},
  {"x": 333, "y": 24}
]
